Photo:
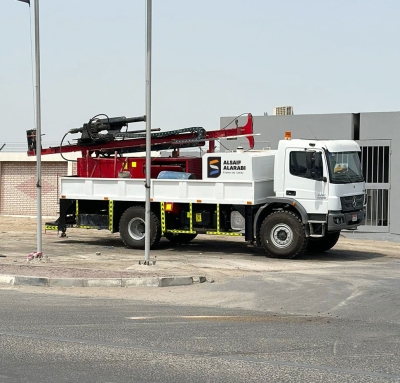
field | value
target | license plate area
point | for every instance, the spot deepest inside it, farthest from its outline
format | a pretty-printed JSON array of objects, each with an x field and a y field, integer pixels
[{"x": 354, "y": 218}]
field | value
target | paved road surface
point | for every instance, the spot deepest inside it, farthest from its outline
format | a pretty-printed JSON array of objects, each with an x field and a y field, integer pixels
[
  {"x": 58, "y": 338},
  {"x": 332, "y": 317}
]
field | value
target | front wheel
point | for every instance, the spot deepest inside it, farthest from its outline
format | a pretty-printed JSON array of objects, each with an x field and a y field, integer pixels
[
  {"x": 132, "y": 228},
  {"x": 320, "y": 245},
  {"x": 282, "y": 235}
]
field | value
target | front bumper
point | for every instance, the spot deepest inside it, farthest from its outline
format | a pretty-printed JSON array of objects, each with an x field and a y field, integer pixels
[{"x": 350, "y": 221}]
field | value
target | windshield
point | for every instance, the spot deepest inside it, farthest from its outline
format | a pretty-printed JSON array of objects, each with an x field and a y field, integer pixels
[{"x": 344, "y": 167}]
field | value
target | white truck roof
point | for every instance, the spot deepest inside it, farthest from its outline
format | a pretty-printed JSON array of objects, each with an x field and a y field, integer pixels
[{"x": 330, "y": 145}]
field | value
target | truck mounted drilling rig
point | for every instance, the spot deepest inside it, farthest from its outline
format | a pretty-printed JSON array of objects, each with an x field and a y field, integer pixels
[{"x": 296, "y": 198}]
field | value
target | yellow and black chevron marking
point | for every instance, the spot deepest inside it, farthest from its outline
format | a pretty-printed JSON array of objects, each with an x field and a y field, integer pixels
[
  {"x": 219, "y": 232},
  {"x": 163, "y": 228},
  {"x": 218, "y": 217},
  {"x": 224, "y": 233},
  {"x": 111, "y": 215},
  {"x": 77, "y": 212},
  {"x": 164, "y": 223},
  {"x": 50, "y": 227},
  {"x": 181, "y": 232},
  {"x": 191, "y": 217}
]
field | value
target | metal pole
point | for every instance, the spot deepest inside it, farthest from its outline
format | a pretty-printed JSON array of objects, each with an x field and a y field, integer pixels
[
  {"x": 38, "y": 132},
  {"x": 148, "y": 133}
]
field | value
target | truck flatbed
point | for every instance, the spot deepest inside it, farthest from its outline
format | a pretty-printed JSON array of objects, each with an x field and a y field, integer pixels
[{"x": 238, "y": 192}]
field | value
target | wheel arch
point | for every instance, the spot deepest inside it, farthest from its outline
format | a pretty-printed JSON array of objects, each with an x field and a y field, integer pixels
[
  {"x": 276, "y": 203},
  {"x": 132, "y": 227},
  {"x": 121, "y": 206}
]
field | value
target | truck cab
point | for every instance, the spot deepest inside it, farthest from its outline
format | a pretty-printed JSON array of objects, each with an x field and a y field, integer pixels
[
  {"x": 325, "y": 177},
  {"x": 322, "y": 183}
]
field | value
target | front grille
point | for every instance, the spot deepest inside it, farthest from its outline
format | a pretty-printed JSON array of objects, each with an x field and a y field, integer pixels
[{"x": 352, "y": 203}]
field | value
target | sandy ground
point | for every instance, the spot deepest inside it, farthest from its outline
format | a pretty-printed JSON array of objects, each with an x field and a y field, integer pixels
[
  {"x": 228, "y": 262},
  {"x": 99, "y": 254}
]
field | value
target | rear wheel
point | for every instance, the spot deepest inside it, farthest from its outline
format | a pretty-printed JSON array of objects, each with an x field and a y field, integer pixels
[
  {"x": 180, "y": 238},
  {"x": 282, "y": 235},
  {"x": 319, "y": 245},
  {"x": 132, "y": 228}
]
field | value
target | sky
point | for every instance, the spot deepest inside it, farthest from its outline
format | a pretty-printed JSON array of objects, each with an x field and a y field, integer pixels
[{"x": 210, "y": 58}]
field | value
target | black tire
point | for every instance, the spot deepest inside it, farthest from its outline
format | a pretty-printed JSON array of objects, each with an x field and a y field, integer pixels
[
  {"x": 282, "y": 235},
  {"x": 319, "y": 245},
  {"x": 132, "y": 228},
  {"x": 180, "y": 238}
]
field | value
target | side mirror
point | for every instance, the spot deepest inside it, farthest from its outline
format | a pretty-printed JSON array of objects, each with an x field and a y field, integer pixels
[
  {"x": 310, "y": 159},
  {"x": 315, "y": 165}
]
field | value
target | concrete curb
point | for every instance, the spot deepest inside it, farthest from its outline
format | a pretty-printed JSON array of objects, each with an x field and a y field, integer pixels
[{"x": 20, "y": 280}]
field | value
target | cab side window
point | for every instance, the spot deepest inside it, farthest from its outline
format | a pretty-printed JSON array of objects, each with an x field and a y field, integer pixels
[
  {"x": 298, "y": 164},
  {"x": 300, "y": 168}
]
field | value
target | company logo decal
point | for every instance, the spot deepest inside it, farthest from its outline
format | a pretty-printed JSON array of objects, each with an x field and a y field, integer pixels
[
  {"x": 214, "y": 167},
  {"x": 233, "y": 165}
]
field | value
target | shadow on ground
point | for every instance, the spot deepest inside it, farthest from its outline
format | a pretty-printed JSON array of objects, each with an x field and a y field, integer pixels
[
  {"x": 336, "y": 255},
  {"x": 226, "y": 247}
]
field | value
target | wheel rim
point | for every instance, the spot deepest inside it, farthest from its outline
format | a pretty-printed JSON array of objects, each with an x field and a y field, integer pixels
[
  {"x": 281, "y": 235},
  {"x": 136, "y": 228}
]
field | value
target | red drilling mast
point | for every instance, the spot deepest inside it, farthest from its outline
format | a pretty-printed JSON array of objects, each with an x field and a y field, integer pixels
[
  {"x": 102, "y": 145},
  {"x": 94, "y": 142}
]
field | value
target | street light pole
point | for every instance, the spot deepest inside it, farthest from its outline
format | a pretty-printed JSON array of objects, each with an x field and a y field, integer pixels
[
  {"x": 148, "y": 133},
  {"x": 38, "y": 133},
  {"x": 38, "y": 130}
]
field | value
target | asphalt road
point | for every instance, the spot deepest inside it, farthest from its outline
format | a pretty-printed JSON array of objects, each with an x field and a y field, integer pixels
[
  {"x": 331, "y": 317},
  {"x": 58, "y": 338}
]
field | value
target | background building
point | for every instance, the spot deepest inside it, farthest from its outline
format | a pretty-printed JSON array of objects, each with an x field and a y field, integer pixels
[
  {"x": 378, "y": 135},
  {"x": 18, "y": 183}
]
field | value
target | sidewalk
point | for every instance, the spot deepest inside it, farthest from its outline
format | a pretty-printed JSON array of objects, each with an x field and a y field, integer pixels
[{"x": 381, "y": 237}]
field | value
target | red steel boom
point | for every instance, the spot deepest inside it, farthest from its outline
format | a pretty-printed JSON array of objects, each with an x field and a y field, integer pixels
[{"x": 129, "y": 142}]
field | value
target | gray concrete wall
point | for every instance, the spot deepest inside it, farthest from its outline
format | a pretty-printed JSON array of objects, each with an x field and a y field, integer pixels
[
  {"x": 272, "y": 128},
  {"x": 372, "y": 126},
  {"x": 386, "y": 125}
]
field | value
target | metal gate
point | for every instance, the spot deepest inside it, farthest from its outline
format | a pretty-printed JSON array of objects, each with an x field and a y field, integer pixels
[{"x": 375, "y": 162}]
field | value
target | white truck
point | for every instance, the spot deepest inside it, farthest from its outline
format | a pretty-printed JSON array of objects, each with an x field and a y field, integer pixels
[{"x": 296, "y": 198}]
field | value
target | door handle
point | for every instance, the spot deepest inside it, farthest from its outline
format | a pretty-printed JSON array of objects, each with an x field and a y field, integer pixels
[{"x": 290, "y": 192}]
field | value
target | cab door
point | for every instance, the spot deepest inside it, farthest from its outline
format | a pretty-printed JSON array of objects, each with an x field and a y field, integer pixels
[{"x": 305, "y": 179}]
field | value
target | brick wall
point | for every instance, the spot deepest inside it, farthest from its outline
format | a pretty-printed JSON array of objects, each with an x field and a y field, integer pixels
[{"x": 18, "y": 187}]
